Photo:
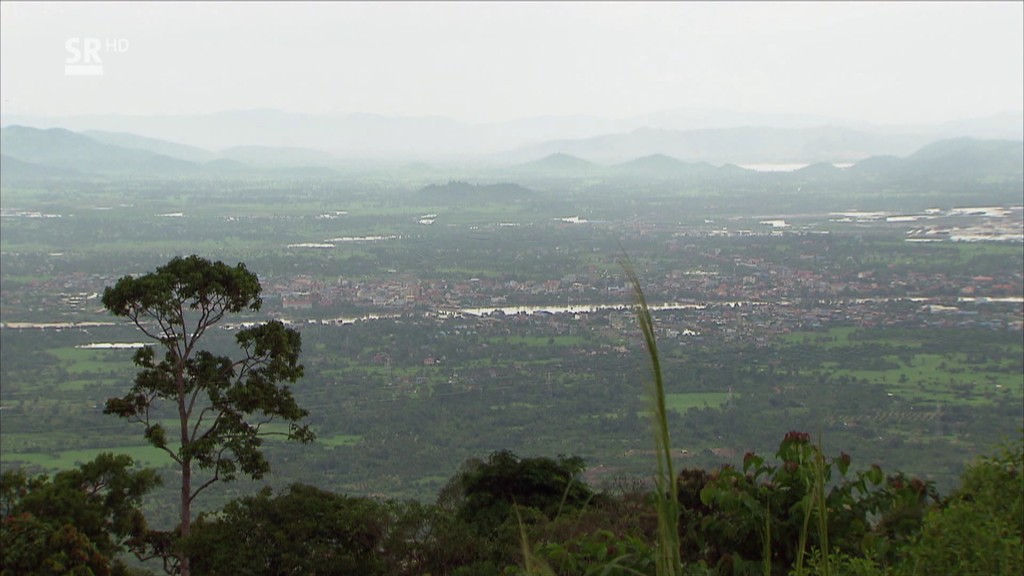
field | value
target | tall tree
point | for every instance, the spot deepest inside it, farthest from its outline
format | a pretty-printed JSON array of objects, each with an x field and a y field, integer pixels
[{"x": 221, "y": 405}]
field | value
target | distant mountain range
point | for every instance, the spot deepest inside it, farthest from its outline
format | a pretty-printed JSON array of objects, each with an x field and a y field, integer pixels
[
  {"x": 715, "y": 136},
  {"x": 64, "y": 150},
  {"x": 58, "y": 152},
  {"x": 738, "y": 145},
  {"x": 653, "y": 166},
  {"x": 955, "y": 160},
  {"x": 154, "y": 145},
  {"x": 12, "y": 168},
  {"x": 34, "y": 153},
  {"x": 959, "y": 160}
]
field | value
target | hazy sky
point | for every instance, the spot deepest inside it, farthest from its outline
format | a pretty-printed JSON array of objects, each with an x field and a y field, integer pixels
[{"x": 482, "y": 62}]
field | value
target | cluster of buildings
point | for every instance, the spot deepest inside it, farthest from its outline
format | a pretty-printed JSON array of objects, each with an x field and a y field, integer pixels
[
  {"x": 735, "y": 298},
  {"x": 734, "y": 291}
]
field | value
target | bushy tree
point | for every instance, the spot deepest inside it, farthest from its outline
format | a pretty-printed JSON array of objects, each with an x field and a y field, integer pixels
[
  {"x": 75, "y": 523},
  {"x": 428, "y": 539},
  {"x": 491, "y": 488},
  {"x": 979, "y": 529},
  {"x": 305, "y": 531},
  {"x": 29, "y": 545},
  {"x": 221, "y": 404}
]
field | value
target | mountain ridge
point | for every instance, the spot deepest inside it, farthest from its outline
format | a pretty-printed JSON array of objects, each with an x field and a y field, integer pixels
[
  {"x": 38, "y": 153},
  {"x": 367, "y": 136}
]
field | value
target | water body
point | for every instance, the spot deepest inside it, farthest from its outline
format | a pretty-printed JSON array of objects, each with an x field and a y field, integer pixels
[
  {"x": 787, "y": 167},
  {"x": 344, "y": 320},
  {"x": 112, "y": 346},
  {"x": 53, "y": 325},
  {"x": 585, "y": 308},
  {"x": 525, "y": 310},
  {"x": 333, "y": 242}
]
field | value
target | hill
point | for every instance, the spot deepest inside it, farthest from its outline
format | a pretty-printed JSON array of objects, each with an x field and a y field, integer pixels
[
  {"x": 819, "y": 170},
  {"x": 68, "y": 150},
  {"x": 969, "y": 158},
  {"x": 959, "y": 160},
  {"x": 559, "y": 164},
  {"x": 365, "y": 136},
  {"x": 14, "y": 168},
  {"x": 224, "y": 166},
  {"x": 740, "y": 145},
  {"x": 56, "y": 151},
  {"x": 463, "y": 191},
  {"x": 155, "y": 145},
  {"x": 661, "y": 166},
  {"x": 876, "y": 166}
]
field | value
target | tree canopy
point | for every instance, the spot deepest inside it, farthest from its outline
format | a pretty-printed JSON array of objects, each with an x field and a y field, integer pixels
[{"x": 75, "y": 523}]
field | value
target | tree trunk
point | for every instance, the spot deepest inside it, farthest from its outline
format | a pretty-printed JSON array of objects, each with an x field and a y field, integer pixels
[
  {"x": 186, "y": 477},
  {"x": 186, "y": 513}
]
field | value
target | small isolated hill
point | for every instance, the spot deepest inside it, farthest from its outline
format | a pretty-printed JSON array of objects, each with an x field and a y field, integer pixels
[
  {"x": 458, "y": 191},
  {"x": 559, "y": 164},
  {"x": 731, "y": 169},
  {"x": 819, "y": 170},
  {"x": 661, "y": 166}
]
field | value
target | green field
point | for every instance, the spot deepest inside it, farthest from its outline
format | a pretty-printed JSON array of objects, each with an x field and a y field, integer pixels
[
  {"x": 539, "y": 340},
  {"x": 915, "y": 367},
  {"x": 81, "y": 361},
  {"x": 340, "y": 440},
  {"x": 681, "y": 402},
  {"x": 143, "y": 455}
]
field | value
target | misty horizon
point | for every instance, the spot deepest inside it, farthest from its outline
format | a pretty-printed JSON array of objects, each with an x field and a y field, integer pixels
[{"x": 487, "y": 64}]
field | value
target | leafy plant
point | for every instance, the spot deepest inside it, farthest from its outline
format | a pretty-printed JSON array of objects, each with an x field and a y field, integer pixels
[{"x": 979, "y": 529}]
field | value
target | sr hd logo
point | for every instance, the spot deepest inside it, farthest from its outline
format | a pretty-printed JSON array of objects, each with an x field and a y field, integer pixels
[{"x": 83, "y": 57}]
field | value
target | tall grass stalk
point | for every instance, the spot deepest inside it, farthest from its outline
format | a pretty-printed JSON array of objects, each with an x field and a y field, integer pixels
[
  {"x": 802, "y": 543},
  {"x": 815, "y": 504},
  {"x": 766, "y": 542},
  {"x": 534, "y": 565},
  {"x": 668, "y": 561},
  {"x": 820, "y": 504}
]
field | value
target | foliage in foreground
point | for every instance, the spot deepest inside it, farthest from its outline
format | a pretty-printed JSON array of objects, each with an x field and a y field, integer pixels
[
  {"x": 979, "y": 527},
  {"x": 795, "y": 517},
  {"x": 76, "y": 522},
  {"x": 761, "y": 519}
]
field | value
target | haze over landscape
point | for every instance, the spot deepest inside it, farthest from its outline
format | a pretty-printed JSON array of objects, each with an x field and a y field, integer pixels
[
  {"x": 376, "y": 78},
  {"x": 392, "y": 288}
]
